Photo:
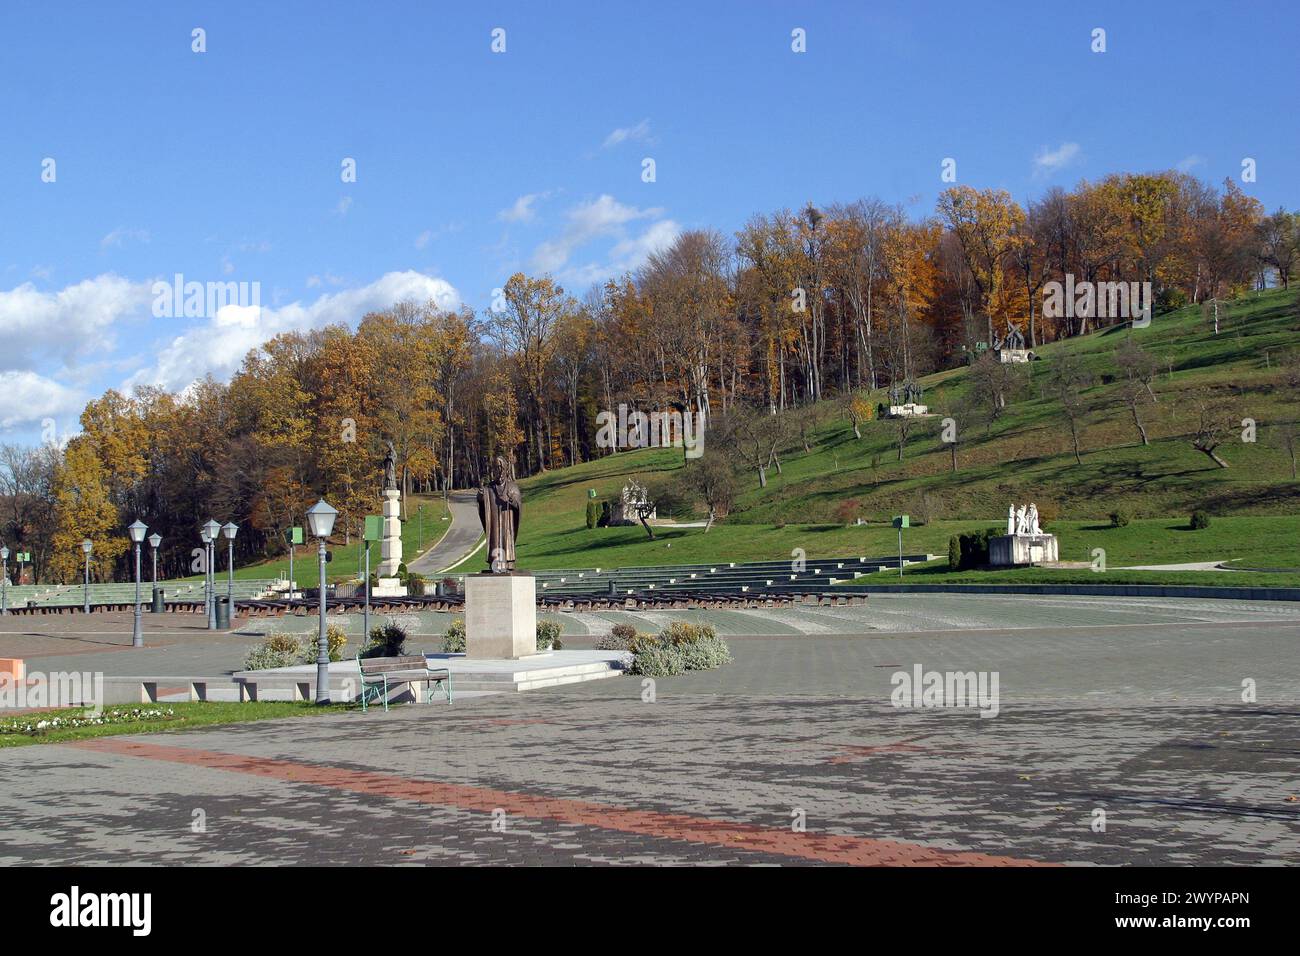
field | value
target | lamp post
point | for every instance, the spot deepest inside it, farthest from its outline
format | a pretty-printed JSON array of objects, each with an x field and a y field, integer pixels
[
  {"x": 137, "y": 528},
  {"x": 154, "y": 541},
  {"x": 320, "y": 518},
  {"x": 4, "y": 580},
  {"x": 213, "y": 529},
  {"x": 87, "y": 546},
  {"x": 230, "y": 529},
  {"x": 207, "y": 597}
]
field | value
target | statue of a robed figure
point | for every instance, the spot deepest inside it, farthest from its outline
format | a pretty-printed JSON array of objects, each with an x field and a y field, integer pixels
[{"x": 500, "y": 504}]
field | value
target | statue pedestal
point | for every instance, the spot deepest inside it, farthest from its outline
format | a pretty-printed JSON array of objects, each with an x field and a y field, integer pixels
[
  {"x": 390, "y": 546},
  {"x": 1009, "y": 550},
  {"x": 500, "y": 615}
]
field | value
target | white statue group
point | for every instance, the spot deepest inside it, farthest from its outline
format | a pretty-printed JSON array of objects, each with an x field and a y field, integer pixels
[{"x": 1023, "y": 520}]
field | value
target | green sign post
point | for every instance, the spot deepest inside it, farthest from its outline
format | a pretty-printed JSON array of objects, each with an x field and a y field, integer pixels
[
  {"x": 901, "y": 522},
  {"x": 295, "y": 537}
]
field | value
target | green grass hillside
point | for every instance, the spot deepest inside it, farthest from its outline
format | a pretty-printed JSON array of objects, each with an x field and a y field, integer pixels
[{"x": 1026, "y": 455}]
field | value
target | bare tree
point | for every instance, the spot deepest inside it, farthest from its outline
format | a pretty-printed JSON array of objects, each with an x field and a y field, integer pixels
[
  {"x": 1068, "y": 381},
  {"x": 1139, "y": 368},
  {"x": 1216, "y": 422}
]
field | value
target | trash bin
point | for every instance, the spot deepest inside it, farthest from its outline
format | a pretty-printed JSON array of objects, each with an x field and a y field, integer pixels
[
  {"x": 223, "y": 613},
  {"x": 157, "y": 601}
]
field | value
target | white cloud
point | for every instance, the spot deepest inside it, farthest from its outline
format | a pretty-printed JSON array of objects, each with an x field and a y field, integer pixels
[
  {"x": 121, "y": 235},
  {"x": 344, "y": 205},
  {"x": 76, "y": 321},
  {"x": 522, "y": 209},
  {"x": 29, "y": 398},
  {"x": 626, "y": 255},
  {"x": 1188, "y": 163},
  {"x": 219, "y": 345},
  {"x": 628, "y": 134},
  {"x": 1050, "y": 160},
  {"x": 604, "y": 216}
]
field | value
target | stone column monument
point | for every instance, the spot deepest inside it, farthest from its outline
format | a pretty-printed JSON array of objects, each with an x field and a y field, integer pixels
[
  {"x": 500, "y": 602},
  {"x": 390, "y": 546}
]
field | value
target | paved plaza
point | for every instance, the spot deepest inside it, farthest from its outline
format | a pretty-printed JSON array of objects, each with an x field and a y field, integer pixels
[{"x": 1127, "y": 710}]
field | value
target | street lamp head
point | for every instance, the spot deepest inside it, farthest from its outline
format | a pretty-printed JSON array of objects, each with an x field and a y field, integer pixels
[
  {"x": 4, "y": 554},
  {"x": 136, "y": 529},
  {"x": 203, "y": 534},
  {"x": 87, "y": 546},
  {"x": 155, "y": 540},
  {"x": 320, "y": 518},
  {"x": 230, "y": 529},
  {"x": 213, "y": 529}
]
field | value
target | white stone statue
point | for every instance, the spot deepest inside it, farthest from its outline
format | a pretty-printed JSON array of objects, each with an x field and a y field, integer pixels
[
  {"x": 1032, "y": 519},
  {"x": 1011, "y": 519},
  {"x": 1022, "y": 522}
]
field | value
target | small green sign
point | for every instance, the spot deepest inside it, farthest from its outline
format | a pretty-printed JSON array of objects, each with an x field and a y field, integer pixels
[
  {"x": 902, "y": 521},
  {"x": 295, "y": 535},
  {"x": 374, "y": 528},
  {"x": 25, "y": 557}
]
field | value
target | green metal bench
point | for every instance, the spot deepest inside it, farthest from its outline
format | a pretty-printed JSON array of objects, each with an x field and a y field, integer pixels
[{"x": 379, "y": 674}]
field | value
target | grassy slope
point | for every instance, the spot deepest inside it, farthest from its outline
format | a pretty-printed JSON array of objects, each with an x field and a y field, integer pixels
[{"x": 1025, "y": 456}]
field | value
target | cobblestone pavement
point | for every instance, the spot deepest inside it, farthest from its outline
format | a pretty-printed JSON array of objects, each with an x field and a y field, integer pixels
[{"x": 1145, "y": 724}]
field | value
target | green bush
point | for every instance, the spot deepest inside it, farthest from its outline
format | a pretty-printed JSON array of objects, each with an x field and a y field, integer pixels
[
  {"x": 1199, "y": 520},
  {"x": 593, "y": 512},
  {"x": 286, "y": 650},
  {"x": 386, "y": 640},
  {"x": 619, "y": 638},
  {"x": 453, "y": 639},
  {"x": 954, "y": 553},
  {"x": 972, "y": 548},
  {"x": 1118, "y": 519},
  {"x": 678, "y": 648},
  {"x": 415, "y": 584},
  {"x": 548, "y": 636}
]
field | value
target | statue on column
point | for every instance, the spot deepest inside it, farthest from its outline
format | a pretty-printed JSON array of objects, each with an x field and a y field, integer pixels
[
  {"x": 500, "y": 505},
  {"x": 390, "y": 468}
]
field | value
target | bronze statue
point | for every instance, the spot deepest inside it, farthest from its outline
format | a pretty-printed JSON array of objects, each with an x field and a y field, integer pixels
[
  {"x": 500, "y": 504},
  {"x": 390, "y": 468}
]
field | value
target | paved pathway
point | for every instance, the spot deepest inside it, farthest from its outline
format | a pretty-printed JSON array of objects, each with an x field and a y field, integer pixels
[
  {"x": 1145, "y": 724},
  {"x": 463, "y": 534}
]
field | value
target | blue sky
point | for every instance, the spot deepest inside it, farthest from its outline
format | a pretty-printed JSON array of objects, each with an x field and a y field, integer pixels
[{"x": 225, "y": 165}]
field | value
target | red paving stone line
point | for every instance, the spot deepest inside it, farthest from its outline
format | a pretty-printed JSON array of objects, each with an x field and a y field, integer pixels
[{"x": 840, "y": 849}]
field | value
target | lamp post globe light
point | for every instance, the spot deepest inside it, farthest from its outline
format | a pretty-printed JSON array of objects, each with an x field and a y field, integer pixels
[
  {"x": 230, "y": 529},
  {"x": 212, "y": 529},
  {"x": 320, "y": 519},
  {"x": 4, "y": 580},
  {"x": 207, "y": 595},
  {"x": 87, "y": 546},
  {"x": 136, "y": 529}
]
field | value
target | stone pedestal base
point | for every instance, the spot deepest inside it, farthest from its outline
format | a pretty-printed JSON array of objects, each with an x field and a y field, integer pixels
[
  {"x": 388, "y": 587},
  {"x": 500, "y": 615},
  {"x": 390, "y": 546},
  {"x": 1009, "y": 550}
]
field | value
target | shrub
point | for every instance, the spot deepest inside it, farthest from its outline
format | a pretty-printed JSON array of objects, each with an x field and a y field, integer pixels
[
  {"x": 386, "y": 640},
  {"x": 1199, "y": 520},
  {"x": 548, "y": 635},
  {"x": 335, "y": 639},
  {"x": 972, "y": 548},
  {"x": 593, "y": 512},
  {"x": 678, "y": 648},
  {"x": 954, "y": 553},
  {"x": 453, "y": 639},
  {"x": 619, "y": 638},
  {"x": 1118, "y": 519},
  {"x": 415, "y": 584},
  {"x": 606, "y": 514},
  {"x": 286, "y": 650},
  {"x": 1048, "y": 513}
]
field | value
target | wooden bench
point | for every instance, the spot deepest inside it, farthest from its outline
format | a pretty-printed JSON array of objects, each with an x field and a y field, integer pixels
[{"x": 378, "y": 674}]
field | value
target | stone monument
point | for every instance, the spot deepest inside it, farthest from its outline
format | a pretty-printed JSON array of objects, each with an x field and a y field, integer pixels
[
  {"x": 1025, "y": 542},
  {"x": 500, "y": 602},
  {"x": 390, "y": 545}
]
